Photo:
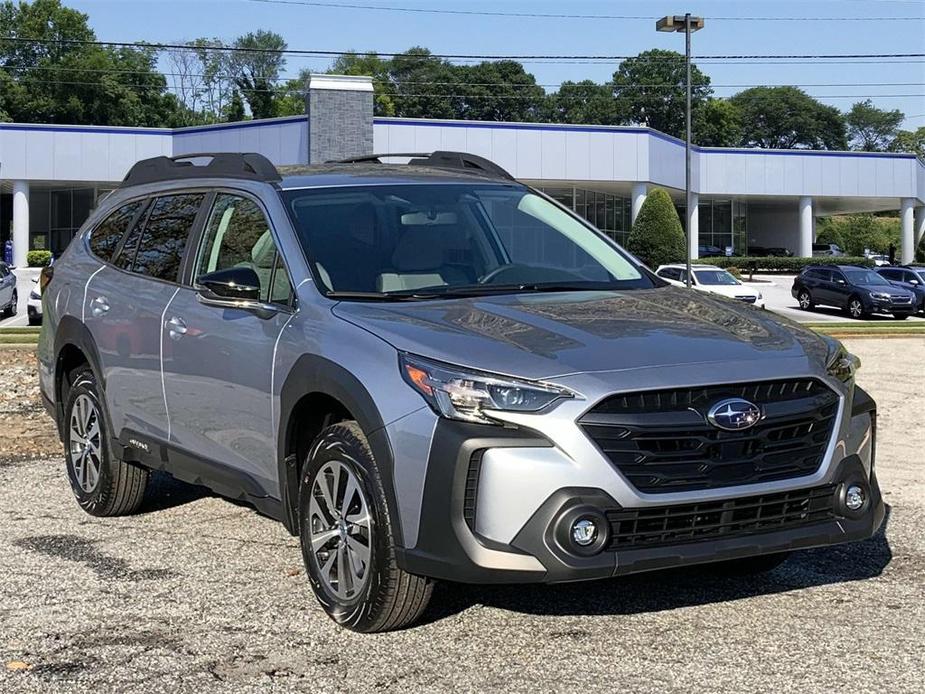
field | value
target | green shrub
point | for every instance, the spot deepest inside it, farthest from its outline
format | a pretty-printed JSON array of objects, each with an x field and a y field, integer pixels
[
  {"x": 38, "y": 258},
  {"x": 855, "y": 233},
  {"x": 656, "y": 238},
  {"x": 773, "y": 264}
]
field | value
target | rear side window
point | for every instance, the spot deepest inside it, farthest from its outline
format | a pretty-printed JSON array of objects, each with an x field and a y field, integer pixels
[
  {"x": 105, "y": 238},
  {"x": 161, "y": 247}
]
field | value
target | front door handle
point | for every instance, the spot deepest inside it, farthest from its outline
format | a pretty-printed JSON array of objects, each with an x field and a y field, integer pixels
[
  {"x": 99, "y": 306},
  {"x": 176, "y": 328}
]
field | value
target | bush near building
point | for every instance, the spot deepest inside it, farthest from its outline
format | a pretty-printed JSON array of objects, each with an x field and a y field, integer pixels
[
  {"x": 856, "y": 233},
  {"x": 656, "y": 237},
  {"x": 38, "y": 258},
  {"x": 785, "y": 265}
]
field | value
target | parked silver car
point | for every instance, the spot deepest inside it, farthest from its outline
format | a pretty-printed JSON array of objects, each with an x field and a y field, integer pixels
[
  {"x": 431, "y": 371},
  {"x": 9, "y": 297}
]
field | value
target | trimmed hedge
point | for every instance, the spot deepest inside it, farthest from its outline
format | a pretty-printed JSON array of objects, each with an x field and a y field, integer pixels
[
  {"x": 656, "y": 237},
  {"x": 775, "y": 264},
  {"x": 38, "y": 258}
]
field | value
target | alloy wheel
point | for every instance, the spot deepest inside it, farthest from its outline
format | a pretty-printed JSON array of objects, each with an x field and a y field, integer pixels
[
  {"x": 85, "y": 441},
  {"x": 804, "y": 300},
  {"x": 340, "y": 528},
  {"x": 855, "y": 308}
]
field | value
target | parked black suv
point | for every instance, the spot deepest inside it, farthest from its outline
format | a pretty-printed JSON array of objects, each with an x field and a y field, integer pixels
[{"x": 858, "y": 290}]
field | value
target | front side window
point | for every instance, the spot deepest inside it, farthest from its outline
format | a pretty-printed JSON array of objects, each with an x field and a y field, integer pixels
[
  {"x": 161, "y": 245},
  {"x": 452, "y": 239},
  {"x": 105, "y": 238},
  {"x": 238, "y": 235}
]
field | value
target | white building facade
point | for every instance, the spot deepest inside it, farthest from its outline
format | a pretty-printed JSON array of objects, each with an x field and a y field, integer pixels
[{"x": 51, "y": 176}]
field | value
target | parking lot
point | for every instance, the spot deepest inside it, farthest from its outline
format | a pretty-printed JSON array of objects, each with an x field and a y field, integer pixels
[
  {"x": 199, "y": 594},
  {"x": 24, "y": 285}
]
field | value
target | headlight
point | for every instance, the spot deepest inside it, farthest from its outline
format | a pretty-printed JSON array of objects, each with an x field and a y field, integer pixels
[
  {"x": 880, "y": 295},
  {"x": 470, "y": 395},
  {"x": 760, "y": 296},
  {"x": 841, "y": 363},
  {"x": 35, "y": 295}
]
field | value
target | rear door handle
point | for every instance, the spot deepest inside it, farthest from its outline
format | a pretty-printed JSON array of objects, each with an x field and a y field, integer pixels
[
  {"x": 99, "y": 306},
  {"x": 176, "y": 328}
]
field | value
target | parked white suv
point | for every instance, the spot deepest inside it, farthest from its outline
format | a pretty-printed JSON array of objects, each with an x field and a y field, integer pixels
[{"x": 712, "y": 279}]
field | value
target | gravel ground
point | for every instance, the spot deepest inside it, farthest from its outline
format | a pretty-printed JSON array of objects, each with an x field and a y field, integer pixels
[{"x": 200, "y": 595}]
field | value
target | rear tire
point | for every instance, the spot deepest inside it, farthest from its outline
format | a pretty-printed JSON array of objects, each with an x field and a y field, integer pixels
[
  {"x": 347, "y": 538},
  {"x": 102, "y": 485},
  {"x": 901, "y": 316},
  {"x": 750, "y": 566},
  {"x": 11, "y": 310}
]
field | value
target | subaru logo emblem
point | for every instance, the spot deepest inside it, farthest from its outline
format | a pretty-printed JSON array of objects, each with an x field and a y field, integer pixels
[{"x": 734, "y": 414}]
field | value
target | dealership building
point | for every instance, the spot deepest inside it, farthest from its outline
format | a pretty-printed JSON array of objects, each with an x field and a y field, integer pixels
[{"x": 52, "y": 176}]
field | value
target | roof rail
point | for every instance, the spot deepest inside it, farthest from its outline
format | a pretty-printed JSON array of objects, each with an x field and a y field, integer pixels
[
  {"x": 438, "y": 160},
  {"x": 249, "y": 166}
]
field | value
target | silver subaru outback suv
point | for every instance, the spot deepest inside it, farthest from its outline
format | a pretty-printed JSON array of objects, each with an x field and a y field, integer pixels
[{"x": 428, "y": 371}]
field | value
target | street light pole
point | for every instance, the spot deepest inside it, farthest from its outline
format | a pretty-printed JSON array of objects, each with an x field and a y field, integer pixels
[{"x": 688, "y": 25}]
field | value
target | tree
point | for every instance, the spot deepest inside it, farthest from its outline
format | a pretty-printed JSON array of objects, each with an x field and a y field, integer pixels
[
  {"x": 910, "y": 141},
  {"x": 650, "y": 90},
  {"x": 717, "y": 123},
  {"x": 498, "y": 91},
  {"x": 656, "y": 237},
  {"x": 788, "y": 118},
  {"x": 372, "y": 65},
  {"x": 872, "y": 129},
  {"x": 582, "y": 102},
  {"x": 60, "y": 78},
  {"x": 256, "y": 65},
  {"x": 424, "y": 86},
  {"x": 857, "y": 233},
  {"x": 234, "y": 110}
]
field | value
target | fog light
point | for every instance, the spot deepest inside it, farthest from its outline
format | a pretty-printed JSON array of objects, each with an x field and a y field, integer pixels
[
  {"x": 855, "y": 498},
  {"x": 584, "y": 532}
]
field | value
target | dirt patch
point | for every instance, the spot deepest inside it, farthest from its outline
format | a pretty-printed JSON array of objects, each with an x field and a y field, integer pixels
[{"x": 28, "y": 432}]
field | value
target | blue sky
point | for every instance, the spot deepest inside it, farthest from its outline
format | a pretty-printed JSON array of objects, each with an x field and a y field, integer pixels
[{"x": 328, "y": 28}]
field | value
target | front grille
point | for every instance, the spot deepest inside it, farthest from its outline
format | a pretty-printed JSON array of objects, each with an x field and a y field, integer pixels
[
  {"x": 747, "y": 299},
  {"x": 901, "y": 299},
  {"x": 673, "y": 525},
  {"x": 661, "y": 440}
]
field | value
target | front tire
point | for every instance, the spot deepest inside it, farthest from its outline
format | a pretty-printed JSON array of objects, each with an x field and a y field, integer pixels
[
  {"x": 805, "y": 300},
  {"x": 901, "y": 316},
  {"x": 856, "y": 308},
  {"x": 347, "y": 539},
  {"x": 102, "y": 485},
  {"x": 11, "y": 310}
]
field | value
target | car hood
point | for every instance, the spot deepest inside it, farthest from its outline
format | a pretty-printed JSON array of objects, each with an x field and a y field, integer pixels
[
  {"x": 541, "y": 336},
  {"x": 886, "y": 289}
]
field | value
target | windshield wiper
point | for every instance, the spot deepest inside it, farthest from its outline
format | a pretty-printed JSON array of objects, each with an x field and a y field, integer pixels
[
  {"x": 488, "y": 289},
  {"x": 371, "y": 296}
]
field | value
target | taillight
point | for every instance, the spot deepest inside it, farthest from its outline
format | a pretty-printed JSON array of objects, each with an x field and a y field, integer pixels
[{"x": 48, "y": 272}]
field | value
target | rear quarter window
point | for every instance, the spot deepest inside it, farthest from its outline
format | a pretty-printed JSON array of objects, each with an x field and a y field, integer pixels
[{"x": 105, "y": 238}]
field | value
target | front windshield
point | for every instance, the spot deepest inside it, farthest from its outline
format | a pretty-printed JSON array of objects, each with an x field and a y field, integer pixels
[
  {"x": 423, "y": 240},
  {"x": 714, "y": 277},
  {"x": 864, "y": 277}
]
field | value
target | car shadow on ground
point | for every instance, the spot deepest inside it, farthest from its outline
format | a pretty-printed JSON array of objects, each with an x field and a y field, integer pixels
[
  {"x": 167, "y": 492},
  {"x": 671, "y": 589},
  {"x": 837, "y": 312}
]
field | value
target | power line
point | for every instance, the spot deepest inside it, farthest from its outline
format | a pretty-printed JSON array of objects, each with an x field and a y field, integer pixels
[
  {"x": 553, "y": 15},
  {"x": 522, "y": 85},
  {"x": 448, "y": 56}
]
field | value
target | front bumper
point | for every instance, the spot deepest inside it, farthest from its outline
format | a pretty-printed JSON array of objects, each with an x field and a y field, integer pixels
[{"x": 455, "y": 542}]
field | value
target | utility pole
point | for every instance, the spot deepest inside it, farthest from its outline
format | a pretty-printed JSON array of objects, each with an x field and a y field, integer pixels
[{"x": 688, "y": 25}]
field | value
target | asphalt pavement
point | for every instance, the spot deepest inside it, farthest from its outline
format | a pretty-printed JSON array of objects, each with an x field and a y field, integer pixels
[{"x": 198, "y": 594}]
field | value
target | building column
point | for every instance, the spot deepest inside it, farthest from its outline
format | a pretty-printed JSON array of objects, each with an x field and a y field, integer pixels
[
  {"x": 638, "y": 197},
  {"x": 20, "y": 222},
  {"x": 919, "y": 226},
  {"x": 807, "y": 227},
  {"x": 340, "y": 117},
  {"x": 693, "y": 225},
  {"x": 906, "y": 230}
]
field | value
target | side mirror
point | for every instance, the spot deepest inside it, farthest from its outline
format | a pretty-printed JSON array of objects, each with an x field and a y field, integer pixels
[{"x": 235, "y": 284}]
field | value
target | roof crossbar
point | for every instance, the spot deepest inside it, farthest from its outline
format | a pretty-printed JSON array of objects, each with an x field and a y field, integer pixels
[
  {"x": 438, "y": 160},
  {"x": 249, "y": 166}
]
